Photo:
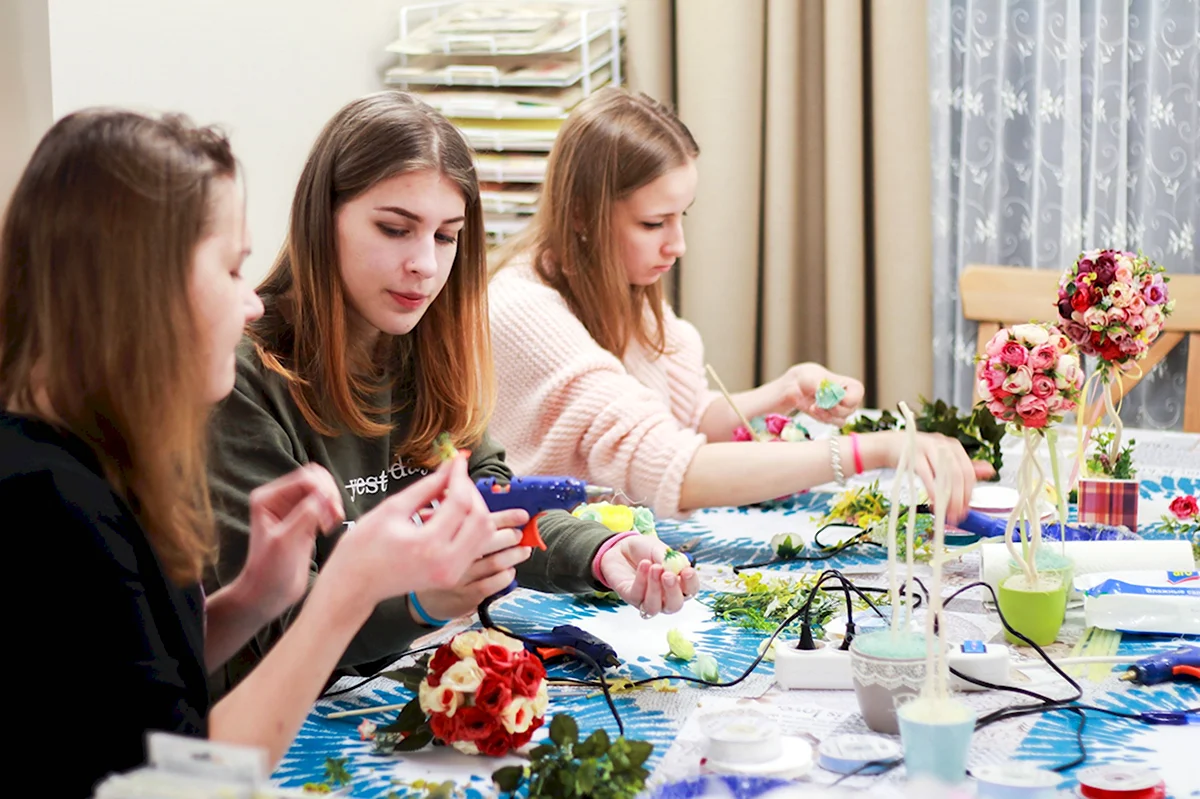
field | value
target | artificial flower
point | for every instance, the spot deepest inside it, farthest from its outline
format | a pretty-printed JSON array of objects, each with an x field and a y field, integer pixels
[{"x": 680, "y": 647}]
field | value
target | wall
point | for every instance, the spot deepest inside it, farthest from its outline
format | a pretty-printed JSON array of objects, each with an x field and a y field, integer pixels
[
  {"x": 271, "y": 72},
  {"x": 25, "y": 111}
]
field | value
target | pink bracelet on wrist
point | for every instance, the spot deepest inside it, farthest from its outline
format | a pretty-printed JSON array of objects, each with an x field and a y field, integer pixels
[
  {"x": 858, "y": 463},
  {"x": 603, "y": 550}
]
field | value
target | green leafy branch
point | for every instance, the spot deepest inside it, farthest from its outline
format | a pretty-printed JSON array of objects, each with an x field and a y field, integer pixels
[
  {"x": 565, "y": 767},
  {"x": 977, "y": 430},
  {"x": 764, "y": 603},
  {"x": 1100, "y": 462},
  {"x": 336, "y": 775}
]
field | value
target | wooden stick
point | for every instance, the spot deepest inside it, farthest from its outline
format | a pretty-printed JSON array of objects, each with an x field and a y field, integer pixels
[
  {"x": 365, "y": 711},
  {"x": 713, "y": 374}
]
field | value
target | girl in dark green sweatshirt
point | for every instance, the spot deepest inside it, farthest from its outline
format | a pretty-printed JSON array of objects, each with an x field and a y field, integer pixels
[{"x": 374, "y": 341}]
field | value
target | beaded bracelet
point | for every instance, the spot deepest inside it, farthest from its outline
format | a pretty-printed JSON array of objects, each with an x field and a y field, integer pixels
[{"x": 835, "y": 460}]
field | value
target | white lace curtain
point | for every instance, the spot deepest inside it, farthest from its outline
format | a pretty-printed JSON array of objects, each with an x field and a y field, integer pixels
[{"x": 1058, "y": 126}]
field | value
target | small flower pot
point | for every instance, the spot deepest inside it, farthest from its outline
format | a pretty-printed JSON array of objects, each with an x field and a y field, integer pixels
[
  {"x": 886, "y": 671},
  {"x": 1111, "y": 502},
  {"x": 1035, "y": 611},
  {"x": 1050, "y": 562},
  {"x": 936, "y": 734}
]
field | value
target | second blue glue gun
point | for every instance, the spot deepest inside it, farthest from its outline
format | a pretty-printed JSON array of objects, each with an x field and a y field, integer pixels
[{"x": 536, "y": 495}]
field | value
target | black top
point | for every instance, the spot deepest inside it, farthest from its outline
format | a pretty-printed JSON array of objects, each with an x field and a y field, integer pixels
[{"x": 103, "y": 646}]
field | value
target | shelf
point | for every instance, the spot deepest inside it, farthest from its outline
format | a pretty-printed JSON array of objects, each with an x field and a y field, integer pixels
[
  {"x": 502, "y": 27},
  {"x": 486, "y": 103},
  {"x": 556, "y": 73},
  {"x": 510, "y": 169}
]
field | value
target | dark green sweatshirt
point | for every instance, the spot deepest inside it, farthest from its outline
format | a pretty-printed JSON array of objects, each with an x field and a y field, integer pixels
[{"x": 258, "y": 434}]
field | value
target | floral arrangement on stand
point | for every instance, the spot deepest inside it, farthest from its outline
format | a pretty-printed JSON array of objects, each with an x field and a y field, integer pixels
[
  {"x": 481, "y": 693},
  {"x": 1028, "y": 378},
  {"x": 1112, "y": 305}
]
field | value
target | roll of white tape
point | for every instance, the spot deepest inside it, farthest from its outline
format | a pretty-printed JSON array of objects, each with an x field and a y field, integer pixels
[
  {"x": 1016, "y": 781},
  {"x": 741, "y": 737},
  {"x": 847, "y": 754}
]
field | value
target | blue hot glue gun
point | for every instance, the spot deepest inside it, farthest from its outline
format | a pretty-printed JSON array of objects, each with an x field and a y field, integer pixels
[
  {"x": 536, "y": 495},
  {"x": 985, "y": 526},
  {"x": 1166, "y": 667}
]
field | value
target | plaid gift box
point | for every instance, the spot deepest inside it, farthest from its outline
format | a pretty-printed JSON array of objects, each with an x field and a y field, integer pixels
[{"x": 1112, "y": 502}]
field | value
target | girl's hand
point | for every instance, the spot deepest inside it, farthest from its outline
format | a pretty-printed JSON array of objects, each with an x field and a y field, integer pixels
[
  {"x": 285, "y": 517},
  {"x": 633, "y": 568},
  {"x": 798, "y": 391},
  {"x": 492, "y": 573},
  {"x": 390, "y": 552},
  {"x": 886, "y": 448}
]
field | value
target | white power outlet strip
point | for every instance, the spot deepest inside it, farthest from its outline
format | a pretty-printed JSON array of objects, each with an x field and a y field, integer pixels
[
  {"x": 823, "y": 668},
  {"x": 828, "y": 668},
  {"x": 987, "y": 662}
]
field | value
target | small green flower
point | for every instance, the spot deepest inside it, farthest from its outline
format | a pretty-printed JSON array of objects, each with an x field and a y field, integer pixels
[
  {"x": 784, "y": 546},
  {"x": 829, "y": 394},
  {"x": 675, "y": 561},
  {"x": 706, "y": 668},
  {"x": 681, "y": 648},
  {"x": 643, "y": 521}
]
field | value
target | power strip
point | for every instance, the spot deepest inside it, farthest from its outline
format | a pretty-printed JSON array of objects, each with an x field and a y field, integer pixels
[
  {"x": 986, "y": 662},
  {"x": 828, "y": 668},
  {"x": 823, "y": 668}
]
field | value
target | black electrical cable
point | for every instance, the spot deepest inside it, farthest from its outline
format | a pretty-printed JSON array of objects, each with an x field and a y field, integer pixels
[
  {"x": 380, "y": 673},
  {"x": 826, "y": 552}
]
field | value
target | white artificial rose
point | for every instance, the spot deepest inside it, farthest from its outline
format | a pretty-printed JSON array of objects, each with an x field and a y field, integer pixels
[
  {"x": 465, "y": 644},
  {"x": 464, "y": 676},
  {"x": 541, "y": 701},
  {"x": 442, "y": 699},
  {"x": 1031, "y": 334},
  {"x": 1066, "y": 363},
  {"x": 466, "y": 747},
  {"x": 519, "y": 714},
  {"x": 497, "y": 637}
]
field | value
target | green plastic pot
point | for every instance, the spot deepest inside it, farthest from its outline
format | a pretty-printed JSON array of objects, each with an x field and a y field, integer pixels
[{"x": 1036, "y": 612}]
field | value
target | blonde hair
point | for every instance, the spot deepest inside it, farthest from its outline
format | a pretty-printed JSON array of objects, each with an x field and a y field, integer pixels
[
  {"x": 96, "y": 257},
  {"x": 303, "y": 333},
  {"x": 613, "y": 143}
]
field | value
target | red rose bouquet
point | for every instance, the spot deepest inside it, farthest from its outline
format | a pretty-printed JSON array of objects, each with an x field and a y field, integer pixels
[
  {"x": 482, "y": 693},
  {"x": 1113, "y": 304}
]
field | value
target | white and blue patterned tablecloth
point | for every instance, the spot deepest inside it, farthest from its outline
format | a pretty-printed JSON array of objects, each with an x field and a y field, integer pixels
[{"x": 724, "y": 536}]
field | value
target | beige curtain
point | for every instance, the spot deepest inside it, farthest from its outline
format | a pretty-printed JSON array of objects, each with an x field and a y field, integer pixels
[{"x": 810, "y": 237}]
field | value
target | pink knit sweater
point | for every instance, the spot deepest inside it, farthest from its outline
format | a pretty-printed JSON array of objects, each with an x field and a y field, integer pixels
[{"x": 569, "y": 406}]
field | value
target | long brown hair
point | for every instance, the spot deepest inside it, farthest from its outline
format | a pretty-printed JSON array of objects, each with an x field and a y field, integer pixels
[
  {"x": 612, "y": 144},
  {"x": 96, "y": 257},
  {"x": 303, "y": 334}
]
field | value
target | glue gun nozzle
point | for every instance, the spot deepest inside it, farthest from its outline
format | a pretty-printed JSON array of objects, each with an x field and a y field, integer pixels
[
  {"x": 1129, "y": 676},
  {"x": 598, "y": 492}
]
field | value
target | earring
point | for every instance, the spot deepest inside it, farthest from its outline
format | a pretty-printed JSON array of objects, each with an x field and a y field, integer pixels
[{"x": 583, "y": 237}]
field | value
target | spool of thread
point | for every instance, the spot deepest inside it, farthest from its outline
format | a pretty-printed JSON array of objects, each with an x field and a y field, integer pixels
[
  {"x": 741, "y": 737},
  {"x": 1120, "y": 782},
  {"x": 1016, "y": 781},
  {"x": 846, "y": 754}
]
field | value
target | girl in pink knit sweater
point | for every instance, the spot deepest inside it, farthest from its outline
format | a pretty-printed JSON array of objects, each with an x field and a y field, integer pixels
[{"x": 596, "y": 375}]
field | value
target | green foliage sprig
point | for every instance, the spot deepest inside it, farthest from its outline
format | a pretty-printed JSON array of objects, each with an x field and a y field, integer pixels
[
  {"x": 978, "y": 431},
  {"x": 1101, "y": 464},
  {"x": 565, "y": 767}
]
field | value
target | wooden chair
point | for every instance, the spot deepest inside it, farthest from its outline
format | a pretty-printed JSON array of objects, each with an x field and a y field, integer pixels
[{"x": 998, "y": 296}]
